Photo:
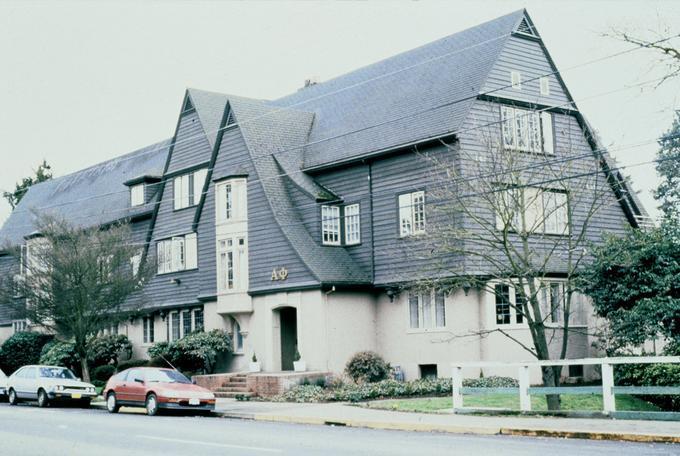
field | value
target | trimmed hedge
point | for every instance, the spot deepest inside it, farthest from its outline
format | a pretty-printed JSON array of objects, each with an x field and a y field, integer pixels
[
  {"x": 103, "y": 373},
  {"x": 132, "y": 363},
  {"x": 386, "y": 389}
]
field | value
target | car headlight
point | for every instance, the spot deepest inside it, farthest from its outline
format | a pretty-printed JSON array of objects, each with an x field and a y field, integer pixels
[
  {"x": 59, "y": 388},
  {"x": 91, "y": 389}
]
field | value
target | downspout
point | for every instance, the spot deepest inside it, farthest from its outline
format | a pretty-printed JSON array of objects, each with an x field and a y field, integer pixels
[{"x": 370, "y": 207}]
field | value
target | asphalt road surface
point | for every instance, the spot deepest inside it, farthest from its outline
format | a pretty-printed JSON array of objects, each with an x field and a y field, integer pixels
[{"x": 28, "y": 430}]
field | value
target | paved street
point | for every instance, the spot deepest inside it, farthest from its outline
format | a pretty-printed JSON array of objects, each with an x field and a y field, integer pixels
[{"x": 28, "y": 430}]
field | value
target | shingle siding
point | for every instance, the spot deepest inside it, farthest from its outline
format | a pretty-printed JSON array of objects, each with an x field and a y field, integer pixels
[{"x": 191, "y": 145}]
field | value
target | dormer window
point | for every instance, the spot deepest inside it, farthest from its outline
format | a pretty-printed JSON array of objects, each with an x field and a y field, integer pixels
[{"x": 137, "y": 195}]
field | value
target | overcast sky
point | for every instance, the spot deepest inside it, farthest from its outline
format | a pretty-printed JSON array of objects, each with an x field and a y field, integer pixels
[{"x": 82, "y": 82}]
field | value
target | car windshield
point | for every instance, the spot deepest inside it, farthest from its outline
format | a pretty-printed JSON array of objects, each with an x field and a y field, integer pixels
[
  {"x": 165, "y": 376},
  {"x": 56, "y": 372}
]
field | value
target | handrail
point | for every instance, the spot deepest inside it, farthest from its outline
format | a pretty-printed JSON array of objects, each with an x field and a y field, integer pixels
[{"x": 608, "y": 389}]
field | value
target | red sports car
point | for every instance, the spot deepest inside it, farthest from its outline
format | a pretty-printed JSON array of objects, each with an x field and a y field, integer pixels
[{"x": 156, "y": 389}]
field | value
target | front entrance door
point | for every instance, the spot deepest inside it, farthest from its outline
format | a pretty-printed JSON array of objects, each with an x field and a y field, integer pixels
[{"x": 288, "y": 317}]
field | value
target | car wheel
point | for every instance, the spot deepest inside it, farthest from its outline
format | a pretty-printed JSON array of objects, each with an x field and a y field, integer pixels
[
  {"x": 43, "y": 400},
  {"x": 151, "y": 405},
  {"x": 12, "y": 398},
  {"x": 111, "y": 403}
]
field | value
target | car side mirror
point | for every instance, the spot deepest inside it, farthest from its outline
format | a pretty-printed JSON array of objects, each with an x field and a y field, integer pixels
[{"x": 139, "y": 380}]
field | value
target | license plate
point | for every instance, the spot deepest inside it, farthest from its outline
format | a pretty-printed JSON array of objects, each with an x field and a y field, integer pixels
[
  {"x": 76, "y": 395},
  {"x": 194, "y": 402}
]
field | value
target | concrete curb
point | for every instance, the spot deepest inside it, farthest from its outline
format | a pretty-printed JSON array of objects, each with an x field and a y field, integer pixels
[{"x": 450, "y": 429}]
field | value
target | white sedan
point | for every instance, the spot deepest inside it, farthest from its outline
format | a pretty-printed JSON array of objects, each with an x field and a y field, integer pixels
[{"x": 48, "y": 384}]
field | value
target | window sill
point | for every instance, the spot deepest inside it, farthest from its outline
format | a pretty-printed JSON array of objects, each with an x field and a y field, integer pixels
[
  {"x": 413, "y": 236},
  {"x": 238, "y": 353},
  {"x": 426, "y": 330},
  {"x": 176, "y": 272},
  {"x": 184, "y": 208}
]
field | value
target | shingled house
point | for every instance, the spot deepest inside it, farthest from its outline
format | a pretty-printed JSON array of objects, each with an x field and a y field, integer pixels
[{"x": 285, "y": 221}]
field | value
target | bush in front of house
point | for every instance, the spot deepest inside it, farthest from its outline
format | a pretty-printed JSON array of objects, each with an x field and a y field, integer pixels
[
  {"x": 194, "y": 353},
  {"x": 367, "y": 367},
  {"x": 386, "y": 389},
  {"x": 107, "y": 349},
  {"x": 59, "y": 353},
  {"x": 653, "y": 375},
  {"x": 101, "y": 374},
  {"x": 20, "y": 349}
]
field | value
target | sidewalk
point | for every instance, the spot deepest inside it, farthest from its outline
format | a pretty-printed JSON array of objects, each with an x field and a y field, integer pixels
[{"x": 354, "y": 416}]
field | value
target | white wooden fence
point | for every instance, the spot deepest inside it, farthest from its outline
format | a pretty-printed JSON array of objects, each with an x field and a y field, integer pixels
[{"x": 525, "y": 390}]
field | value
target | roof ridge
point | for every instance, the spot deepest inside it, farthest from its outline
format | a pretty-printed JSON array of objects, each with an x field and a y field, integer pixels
[{"x": 125, "y": 156}]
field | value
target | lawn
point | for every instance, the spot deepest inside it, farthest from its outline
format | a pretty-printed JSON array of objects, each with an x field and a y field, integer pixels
[{"x": 590, "y": 402}]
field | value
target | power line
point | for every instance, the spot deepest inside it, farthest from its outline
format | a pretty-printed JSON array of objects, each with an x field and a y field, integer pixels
[{"x": 252, "y": 159}]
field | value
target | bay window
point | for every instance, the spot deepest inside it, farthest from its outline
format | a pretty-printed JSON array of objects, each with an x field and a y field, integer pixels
[
  {"x": 341, "y": 224},
  {"x": 231, "y": 200},
  {"x": 232, "y": 264},
  {"x": 330, "y": 225}
]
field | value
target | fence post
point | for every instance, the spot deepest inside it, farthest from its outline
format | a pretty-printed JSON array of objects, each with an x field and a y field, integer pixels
[
  {"x": 456, "y": 385},
  {"x": 608, "y": 400},
  {"x": 524, "y": 398}
]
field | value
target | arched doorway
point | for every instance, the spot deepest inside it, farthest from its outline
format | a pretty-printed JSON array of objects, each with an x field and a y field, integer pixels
[{"x": 288, "y": 336}]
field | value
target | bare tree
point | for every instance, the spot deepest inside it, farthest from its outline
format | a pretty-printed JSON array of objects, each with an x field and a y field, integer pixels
[
  {"x": 665, "y": 42},
  {"x": 509, "y": 215},
  {"x": 74, "y": 281}
]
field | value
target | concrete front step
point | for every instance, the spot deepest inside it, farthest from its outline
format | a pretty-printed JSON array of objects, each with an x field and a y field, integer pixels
[{"x": 232, "y": 394}]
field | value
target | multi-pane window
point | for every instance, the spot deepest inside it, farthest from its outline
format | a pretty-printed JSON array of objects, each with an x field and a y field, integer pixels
[
  {"x": 411, "y": 213},
  {"x": 427, "y": 310},
  {"x": 341, "y": 224},
  {"x": 135, "y": 262},
  {"x": 183, "y": 322},
  {"x": 232, "y": 200},
  {"x": 233, "y": 264},
  {"x": 330, "y": 225},
  {"x": 352, "y": 224},
  {"x": 503, "y": 316},
  {"x": 148, "y": 329},
  {"x": 198, "y": 320},
  {"x": 533, "y": 210},
  {"x": 552, "y": 301},
  {"x": 236, "y": 336},
  {"x": 187, "y": 188},
  {"x": 177, "y": 253},
  {"x": 527, "y": 131}
]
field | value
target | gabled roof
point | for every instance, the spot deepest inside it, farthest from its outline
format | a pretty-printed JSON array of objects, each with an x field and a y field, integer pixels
[
  {"x": 430, "y": 88},
  {"x": 93, "y": 196},
  {"x": 274, "y": 137}
]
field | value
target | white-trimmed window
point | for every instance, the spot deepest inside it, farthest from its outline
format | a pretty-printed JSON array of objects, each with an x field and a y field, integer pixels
[
  {"x": 233, "y": 264},
  {"x": 427, "y": 310},
  {"x": 330, "y": 225},
  {"x": 178, "y": 253},
  {"x": 236, "y": 336},
  {"x": 533, "y": 210},
  {"x": 509, "y": 305},
  {"x": 526, "y": 130},
  {"x": 19, "y": 325},
  {"x": 544, "y": 82},
  {"x": 181, "y": 323},
  {"x": 411, "y": 213},
  {"x": 137, "y": 195},
  {"x": 352, "y": 224},
  {"x": 232, "y": 200},
  {"x": 148, "y": 329},
  {"x": 187, "y": 188},
  {"x": 135, "y": 263},
  {"x": 516, "y": 80}
]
